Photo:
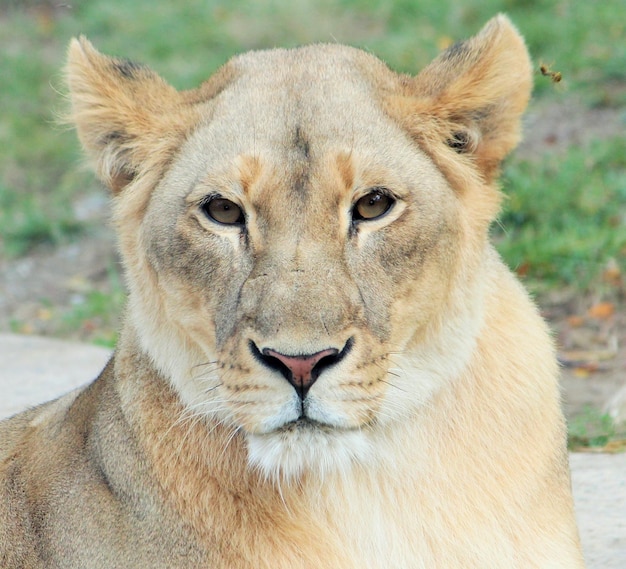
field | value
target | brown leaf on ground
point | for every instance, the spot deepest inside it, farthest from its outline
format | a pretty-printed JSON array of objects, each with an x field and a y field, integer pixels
[
  {"x": 580, "y": 358},
  {"x": 612, "y": 273},
  {"x": 612, "y": 447},
  {"x": 575, "y": 321},
  {"x": 601, "y": 310}
]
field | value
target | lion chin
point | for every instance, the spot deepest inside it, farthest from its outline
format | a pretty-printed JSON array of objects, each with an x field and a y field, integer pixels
[{"x": 307, "y": 448}]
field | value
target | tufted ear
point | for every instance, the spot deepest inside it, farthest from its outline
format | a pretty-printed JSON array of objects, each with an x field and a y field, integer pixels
[
  {"x": 471, "y": 97},
  {"x": 128, "y": 119}
]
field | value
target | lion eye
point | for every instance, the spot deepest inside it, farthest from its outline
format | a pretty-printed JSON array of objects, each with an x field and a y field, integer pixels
[
  {"x": 223, "y": 211},
  {"x": 371, "y": 206}
]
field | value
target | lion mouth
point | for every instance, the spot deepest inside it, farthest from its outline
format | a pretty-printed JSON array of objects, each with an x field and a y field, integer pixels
[{"x": 306, "y": 423}]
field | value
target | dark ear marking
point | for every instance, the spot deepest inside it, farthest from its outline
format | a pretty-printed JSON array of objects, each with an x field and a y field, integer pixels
[
  {"x": 112, "y": 137},
  {"x": 127, "y": 68},
  {"x": 462, "y": 141},
  {"x": 456, "y": 50},
  {"x": 121, "y": 179},
  {"x": 459, "y": 141}
]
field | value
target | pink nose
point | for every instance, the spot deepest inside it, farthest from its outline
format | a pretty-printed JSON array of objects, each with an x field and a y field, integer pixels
[{"x": 301, "y": 371}]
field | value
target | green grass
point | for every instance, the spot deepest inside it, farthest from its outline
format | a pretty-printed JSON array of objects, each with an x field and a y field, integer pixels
[
  {"x": 565, "y": 217},
  {"x": 562, "y": 221},
  {"x": 96, "y": 316},
  {"x": 593, "y": 429},
  {"x": 29, "y": 220}
]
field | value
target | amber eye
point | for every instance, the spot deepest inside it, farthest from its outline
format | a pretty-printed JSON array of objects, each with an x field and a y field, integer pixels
[
  {"x": 372, "y": 206},
  {"x": 223, "y": 211}
]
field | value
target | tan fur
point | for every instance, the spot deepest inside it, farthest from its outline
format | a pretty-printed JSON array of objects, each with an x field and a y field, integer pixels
[{"x": 434, "y": 440}]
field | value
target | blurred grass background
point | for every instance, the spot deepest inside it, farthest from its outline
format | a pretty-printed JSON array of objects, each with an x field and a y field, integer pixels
[{"x": 565, "y": 217}]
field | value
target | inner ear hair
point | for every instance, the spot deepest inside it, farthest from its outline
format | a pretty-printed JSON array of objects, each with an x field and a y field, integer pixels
[
  {"x": 463, "y": 140},
  {"x": 120, "y": 179}
]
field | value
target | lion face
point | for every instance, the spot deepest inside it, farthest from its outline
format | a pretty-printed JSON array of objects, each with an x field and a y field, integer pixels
[
  {"x": 308, "y": 253},
  {"x": 298, "y": 258}
]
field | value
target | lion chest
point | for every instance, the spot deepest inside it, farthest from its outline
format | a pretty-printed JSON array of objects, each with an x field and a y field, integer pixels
[{"x": 348, "y": 526}]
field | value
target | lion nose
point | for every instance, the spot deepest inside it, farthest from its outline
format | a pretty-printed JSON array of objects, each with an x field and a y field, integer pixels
[{"x": 301, "y": 371}]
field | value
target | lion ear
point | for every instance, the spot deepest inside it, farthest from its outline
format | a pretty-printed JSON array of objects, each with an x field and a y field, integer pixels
[
  {"x": 128, "y": 119},
  {"x": 473, "y": 94}
]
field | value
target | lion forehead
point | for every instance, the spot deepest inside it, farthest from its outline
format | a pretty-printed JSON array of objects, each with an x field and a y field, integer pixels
[{"x": 303, "y": 95}]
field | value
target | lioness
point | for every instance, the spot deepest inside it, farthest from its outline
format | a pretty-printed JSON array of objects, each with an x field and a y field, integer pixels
[{"x": 324, "y": 363}]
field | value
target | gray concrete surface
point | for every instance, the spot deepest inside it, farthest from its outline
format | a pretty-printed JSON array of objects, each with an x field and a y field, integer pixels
[
  {"x": 33, "y": 370},
  {"x": 599, "y": 483}
]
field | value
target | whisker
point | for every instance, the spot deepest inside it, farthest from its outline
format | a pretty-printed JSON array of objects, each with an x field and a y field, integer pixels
[
  {"x": 207, "y": 376},
  {"x": 390, "y": 384},
  {"x": 234, "y": 432},
  {"x": 190, "y": 413},
  {"x": 214, "y": 362}
]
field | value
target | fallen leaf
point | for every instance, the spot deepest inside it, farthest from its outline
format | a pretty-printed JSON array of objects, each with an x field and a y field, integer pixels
[
  {"x": 602, "y": 310},
  {"x": 612, "y": 273},
  {"x": 89, "y": 326},
  {"x": 44, "y": 314},
  {"x": 575, "y": 358},
  {"x": 26, "y": 328},
  {"x": 615, "y": 446},
  {"x": 78, "y": 283},
  {"x": 575, "y": 321},
  {"x": 612, "y": 447},
  {"x": 522, "y": 270}
]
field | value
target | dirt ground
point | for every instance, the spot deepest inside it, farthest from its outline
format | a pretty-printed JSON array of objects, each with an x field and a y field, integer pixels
[{"x": 42, "y": 292}]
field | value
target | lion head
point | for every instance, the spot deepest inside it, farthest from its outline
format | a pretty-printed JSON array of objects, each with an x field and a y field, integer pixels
[{"x": 303, "y": 234}]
